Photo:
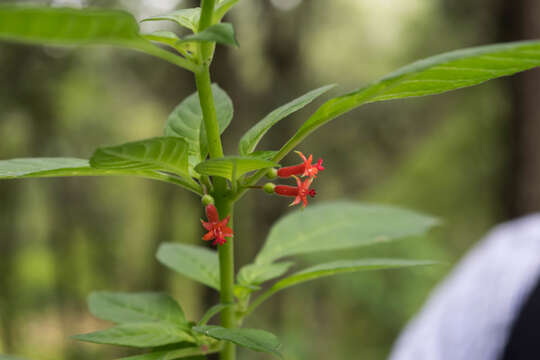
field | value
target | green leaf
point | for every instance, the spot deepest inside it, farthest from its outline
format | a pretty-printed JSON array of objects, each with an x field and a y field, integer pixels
[
  {"x": 140, "y": 335},
  {"x": 188, "y": 18},
  {"x": 222, "y": 33},
  {"x": 56, "y": 167},
  {"x": 161, "y": 153},
  {"x": 333, "y": 268},
  {"x": 345, "y": 266},
  {"x": 68, "y": 26},
  {"x": 222, "y": 8},
  {"x": 228, "y": 166},
  {"x": 170, "y": 39},
  {"x": 195, "y": 262},
  {"x": 187, "y": 353},
  {"x": 135, "y": 307},
  {"x": 434, "y": 75},
  {"x": 163, "y": 37},
  {"x": 186, "y": 121},
  {"x": 258, "y": 340},
  {"x": 340, "y": 225},
  {"x": 46, "y": 167},
  {"x": 254, "y": 274},
  {"x": 264, "y": 155},
  {"x": 251, "y": 138},
  {"x": 210, "y": 313},
  {"x": 9, "y": 357},
  {"x": 190, "y": 353},
  {"x": 184, "y": 350}
]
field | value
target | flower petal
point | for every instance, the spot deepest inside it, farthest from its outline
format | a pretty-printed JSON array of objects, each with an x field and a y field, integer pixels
[
  {"x": 212, "y": 213},
  {"x": 227, "y": 231},
  {"x": 301, "y": 155},
  {"x": 207, "y": 225},
  {"x": 225, "y": 221},
  {"x": 296, "y": 201},
  {"x": 309, "y": 160},
  {"x": 208, "y": 236}
]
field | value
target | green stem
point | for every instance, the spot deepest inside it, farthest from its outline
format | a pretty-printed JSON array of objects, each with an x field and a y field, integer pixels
[
  {"x": 204, "y": 87},
  {"x": 207, "y": 14},
  {"x": 226, "y": 272},
  {"x": 223, "y": 203}
]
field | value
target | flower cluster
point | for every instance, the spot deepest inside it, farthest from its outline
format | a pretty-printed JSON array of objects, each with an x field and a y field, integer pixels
[
  {"x": 302, "y": 189},
  {"x": 217, "y": 229}
]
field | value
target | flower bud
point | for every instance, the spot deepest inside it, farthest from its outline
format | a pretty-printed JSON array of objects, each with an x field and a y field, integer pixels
[
  {"x": 272, "y": 173},
  {"x": 207, "y": 200},
  {"x": 269, "y": 188}
]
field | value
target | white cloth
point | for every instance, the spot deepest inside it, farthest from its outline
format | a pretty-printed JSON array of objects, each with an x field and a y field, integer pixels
[{"x": 469, "y": 316}]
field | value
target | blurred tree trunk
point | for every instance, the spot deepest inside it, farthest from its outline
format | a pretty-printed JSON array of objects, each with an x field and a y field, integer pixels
[{"x": 518, "y": 20}]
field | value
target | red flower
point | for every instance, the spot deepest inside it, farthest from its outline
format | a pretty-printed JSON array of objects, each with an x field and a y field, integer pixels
[
  {"x": 304, "y": 169},
  {"x": 217, "y": 229},
  {"x": 300, "y": 192}
]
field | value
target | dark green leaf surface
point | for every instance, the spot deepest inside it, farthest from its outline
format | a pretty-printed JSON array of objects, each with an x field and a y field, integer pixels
[
  {"x": 140, "y": 335},
  {"x": 258, "y": 340},
  {"x": 228, "y": 166},
  {"x": 251, "y": 138},
  {"x": 345, "y": 266},
  {"x": 195, "y": 262},
  {"x": 220, "y": 33},
  {"x": 340, "y": 225},
  {"x": 135, "y": 307},
  {"x": 69, "y": 26},
  {"x": 186, "y": 121},
  {"x": 434, "y": 75},
  {"x": 188, "y": 18},
  {"x": 254, "y": 274},
  {"x": 162, "y": 153}
]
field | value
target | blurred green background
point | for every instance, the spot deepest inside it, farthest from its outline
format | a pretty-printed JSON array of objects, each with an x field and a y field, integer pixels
[{"x": 469, "y": 157}]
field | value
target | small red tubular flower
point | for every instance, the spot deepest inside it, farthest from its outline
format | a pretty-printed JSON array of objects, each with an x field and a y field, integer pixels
[
  {"x": 300, "y": 191},
  {"x": 304, "y": 169},
  {"x": 217, "y": 229}
]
